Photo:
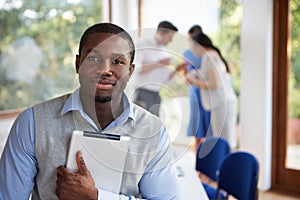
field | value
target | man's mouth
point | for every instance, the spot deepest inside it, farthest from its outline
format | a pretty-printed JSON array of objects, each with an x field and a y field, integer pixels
[{"x": 104, "y": 84}]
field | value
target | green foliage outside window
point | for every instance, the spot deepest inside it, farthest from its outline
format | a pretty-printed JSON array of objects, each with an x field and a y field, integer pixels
[
  {"x": 45, "y": 34},
  {"x": 228, "y": 37},
  {"x": 294, "y": 73}
]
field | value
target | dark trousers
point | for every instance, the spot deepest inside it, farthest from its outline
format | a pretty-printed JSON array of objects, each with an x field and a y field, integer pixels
[{"x": 148, "y": 99}]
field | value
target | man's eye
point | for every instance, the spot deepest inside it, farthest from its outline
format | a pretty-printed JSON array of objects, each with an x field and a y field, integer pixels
[
  {"x": 117, "y": 62},
  {"x": 93, "y": 58}
]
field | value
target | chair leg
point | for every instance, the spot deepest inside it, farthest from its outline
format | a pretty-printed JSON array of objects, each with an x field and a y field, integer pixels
[{"x": 256, "y": 194}]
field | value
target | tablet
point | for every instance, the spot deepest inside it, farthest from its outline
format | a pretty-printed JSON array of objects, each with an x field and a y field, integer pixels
[{"x": 104, "y": 155}]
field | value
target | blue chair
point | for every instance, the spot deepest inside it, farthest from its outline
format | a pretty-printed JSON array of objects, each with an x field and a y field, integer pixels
[
  {"x": 210, "y": 155},
  {"x": 238, "y": 176}
]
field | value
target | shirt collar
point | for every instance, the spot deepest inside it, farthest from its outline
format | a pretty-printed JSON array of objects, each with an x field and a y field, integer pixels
[{"x": 74, "y": 103}]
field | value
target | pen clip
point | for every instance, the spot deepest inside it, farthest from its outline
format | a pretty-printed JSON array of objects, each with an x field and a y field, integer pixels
[{"x": 101, "y": 135}]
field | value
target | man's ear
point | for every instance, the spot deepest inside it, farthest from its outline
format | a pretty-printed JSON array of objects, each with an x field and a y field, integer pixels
[
  {"x": 77, "y": 63},
  {"x": 131, "y": 69}
]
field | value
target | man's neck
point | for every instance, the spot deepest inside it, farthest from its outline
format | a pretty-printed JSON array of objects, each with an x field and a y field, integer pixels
[
  {"x": 107, "y": 112},
  {"x": 102, "y": 113},
  {"x": 157, "y": 39}
]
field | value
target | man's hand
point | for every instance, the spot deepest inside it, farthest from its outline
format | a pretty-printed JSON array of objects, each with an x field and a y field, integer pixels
[
  {"x": 78, "y": 185},
  {"x": 166, "y": 61},
  {"x": 182, "y": 68}
]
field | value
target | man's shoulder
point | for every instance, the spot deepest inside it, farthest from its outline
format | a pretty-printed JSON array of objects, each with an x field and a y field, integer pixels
[
  {"x": 51, "y": 105},
  {"x": 142, "y": 114},
  {"x": 61, "y": 98},
  {"x": 147, "y": 125}
]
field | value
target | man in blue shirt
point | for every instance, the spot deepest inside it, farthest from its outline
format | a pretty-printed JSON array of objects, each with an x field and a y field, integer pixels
[{"x": 34, "y": 158}]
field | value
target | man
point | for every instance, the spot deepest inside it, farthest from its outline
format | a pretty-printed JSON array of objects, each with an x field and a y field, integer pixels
[
  {"x": 152, "y": 67},
  {"x": 36, "y": 150}
]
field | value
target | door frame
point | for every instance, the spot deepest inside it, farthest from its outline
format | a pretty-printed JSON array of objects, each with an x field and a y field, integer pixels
[{"x": 283, "y": 179}]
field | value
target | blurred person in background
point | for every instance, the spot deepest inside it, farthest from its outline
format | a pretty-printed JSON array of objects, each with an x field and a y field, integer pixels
[
  {"x": 152, "y": 72},
  {"x": 216, "y": 89},
  {"x": 199, "y": 119}
]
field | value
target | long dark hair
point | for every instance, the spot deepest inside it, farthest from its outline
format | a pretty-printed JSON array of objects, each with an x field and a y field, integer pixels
[
  {"x": 205, "y": 41},
  {"x": 194, "y": 29}
]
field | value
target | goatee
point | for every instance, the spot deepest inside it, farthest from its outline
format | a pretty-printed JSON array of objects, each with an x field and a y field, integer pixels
[{"x": 102, "y": 99}]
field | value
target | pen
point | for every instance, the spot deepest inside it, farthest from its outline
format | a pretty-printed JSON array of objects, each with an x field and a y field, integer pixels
[{"x": 101, "y": 135}]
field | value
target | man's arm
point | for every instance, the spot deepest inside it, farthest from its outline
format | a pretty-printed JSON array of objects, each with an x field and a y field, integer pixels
[
  {"x": 147, "y": 67},
  {"x": 18, "y": 165},
  {"x": 160, "y": 180}
]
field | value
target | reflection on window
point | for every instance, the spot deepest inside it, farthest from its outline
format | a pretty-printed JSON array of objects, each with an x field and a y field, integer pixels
[{"x": 39, "y": 40}]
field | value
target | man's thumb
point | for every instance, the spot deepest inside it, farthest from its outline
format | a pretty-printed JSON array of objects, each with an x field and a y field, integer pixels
[{"x": 82, "y": 169}]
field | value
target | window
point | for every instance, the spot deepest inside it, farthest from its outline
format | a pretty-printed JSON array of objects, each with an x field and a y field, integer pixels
[
  {"x": 39, "y": 40},
  {"x": 286, "y": 143}
]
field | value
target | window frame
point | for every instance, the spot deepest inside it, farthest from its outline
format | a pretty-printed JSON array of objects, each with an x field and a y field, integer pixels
[{"x": 283, "y": 179}]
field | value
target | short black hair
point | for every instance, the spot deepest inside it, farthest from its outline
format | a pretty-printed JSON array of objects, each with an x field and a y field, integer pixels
[
  {"x": 108, "y": 28},
  {"x": 166, "y": 27}
]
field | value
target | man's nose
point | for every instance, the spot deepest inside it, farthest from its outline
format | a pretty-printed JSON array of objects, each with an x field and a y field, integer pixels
[{"x": 105, "y": 69}]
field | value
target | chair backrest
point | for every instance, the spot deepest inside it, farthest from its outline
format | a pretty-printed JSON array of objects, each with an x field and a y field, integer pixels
[
  {"x": 210, "y": 155},
  {"x": 238, "y": 175}
]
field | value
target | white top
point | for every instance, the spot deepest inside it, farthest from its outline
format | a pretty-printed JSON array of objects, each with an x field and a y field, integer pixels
[
  {"x": 224, "y": 93},
  {"x": 149, "y": 52}
]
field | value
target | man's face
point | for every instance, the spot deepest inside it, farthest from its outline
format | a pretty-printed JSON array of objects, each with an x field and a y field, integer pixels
[
  {"x": 167, "y": 37},
  {"x": 104, "y": 66}
]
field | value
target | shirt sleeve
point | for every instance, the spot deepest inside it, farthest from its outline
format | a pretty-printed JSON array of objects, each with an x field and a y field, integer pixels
[
  {"x": 159, "y": 181},
  {"x": 18, "y": 165}
]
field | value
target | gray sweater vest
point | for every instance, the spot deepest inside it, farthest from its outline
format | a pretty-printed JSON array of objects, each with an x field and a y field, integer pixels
[{"x": 52, "y": 138}]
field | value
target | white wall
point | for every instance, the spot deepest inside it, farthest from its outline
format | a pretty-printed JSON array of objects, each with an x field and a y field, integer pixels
[
  {"x": 256, "y": 84},
  {"x": 205, "y": 13},
  {"x": 183, "y": 14},
  {"x": 124, "y": 13}
]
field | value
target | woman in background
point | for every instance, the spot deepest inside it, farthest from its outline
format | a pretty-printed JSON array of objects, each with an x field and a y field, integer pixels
[
  {"x": 214, "y": 81},
  {"x": 199, "y": 119}
]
